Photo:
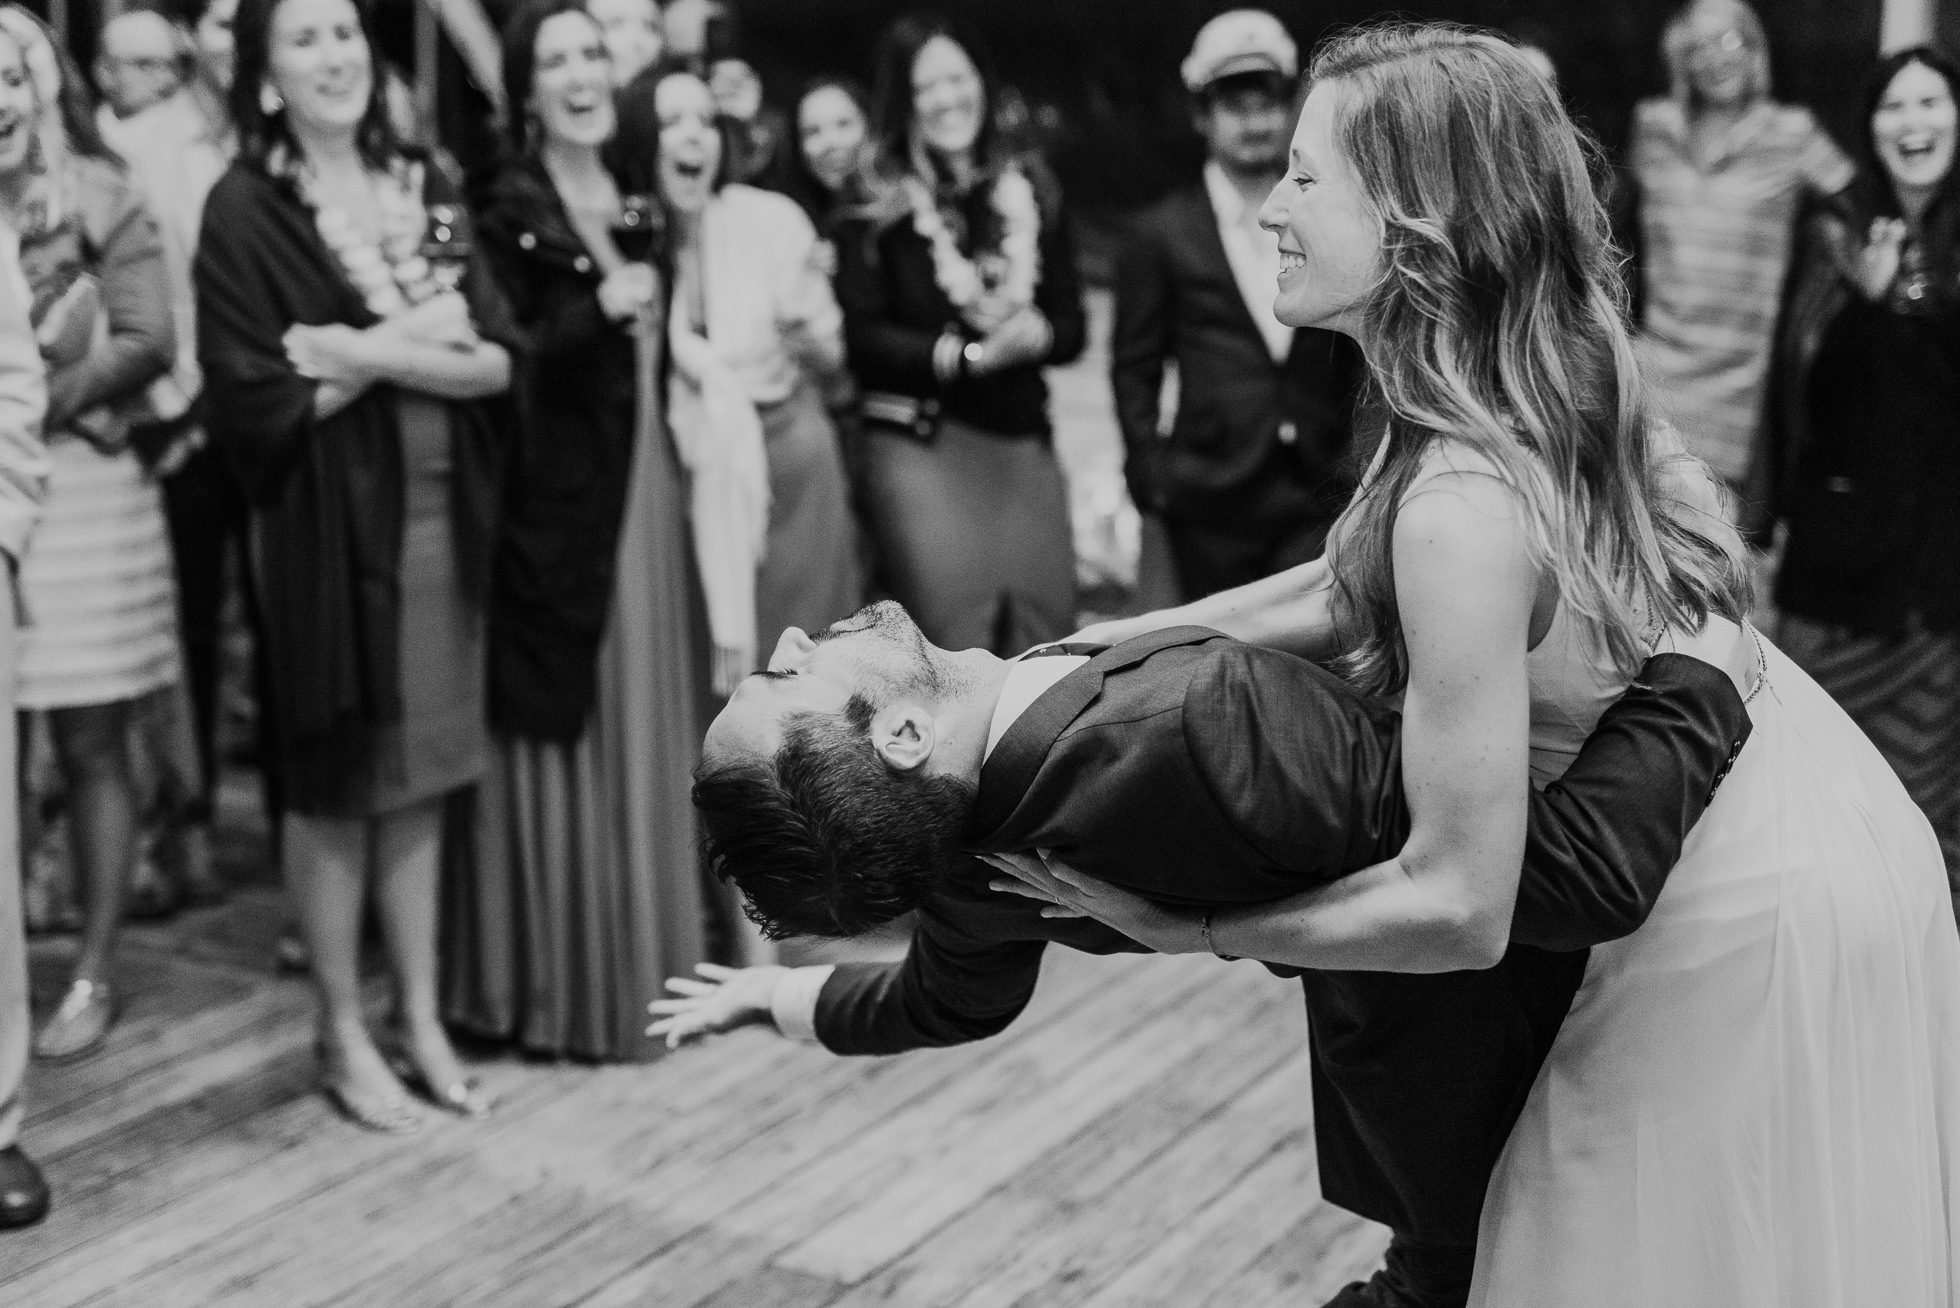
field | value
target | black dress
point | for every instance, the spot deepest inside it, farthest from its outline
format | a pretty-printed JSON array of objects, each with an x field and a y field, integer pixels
[{"x": 371, "y": 529}]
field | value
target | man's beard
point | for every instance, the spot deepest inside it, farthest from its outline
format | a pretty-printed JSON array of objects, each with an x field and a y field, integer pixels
[{"x": 916, "y": 668}]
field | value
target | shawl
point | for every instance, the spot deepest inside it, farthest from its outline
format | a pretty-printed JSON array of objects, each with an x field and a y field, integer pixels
[{"x": 327, "y": 493}]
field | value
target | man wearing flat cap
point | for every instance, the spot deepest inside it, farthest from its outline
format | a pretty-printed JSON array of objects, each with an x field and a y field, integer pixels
[{"x": 1253, "y": 465}]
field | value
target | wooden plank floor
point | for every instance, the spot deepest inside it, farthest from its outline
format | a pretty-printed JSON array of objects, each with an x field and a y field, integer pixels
[{"x": 1141, "y": 1136}]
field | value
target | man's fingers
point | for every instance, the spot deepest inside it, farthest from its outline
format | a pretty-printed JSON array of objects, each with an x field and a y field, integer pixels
[
  {"x": 715, "y": 971},
  {"x": 673, "y": 1007},
  {"x": 682, "y": 985}
]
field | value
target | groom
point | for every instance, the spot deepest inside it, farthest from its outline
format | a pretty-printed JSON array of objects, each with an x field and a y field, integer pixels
[{"x": 854, "y": 780}]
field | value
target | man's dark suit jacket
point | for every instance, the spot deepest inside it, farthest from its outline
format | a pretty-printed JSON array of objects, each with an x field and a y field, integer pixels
[
  {"x": 1193, "y": 769},
  {"x": 1225, "y": 461}
]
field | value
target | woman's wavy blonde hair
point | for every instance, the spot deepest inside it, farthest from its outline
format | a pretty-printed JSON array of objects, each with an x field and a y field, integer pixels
[{"x": 1497, "y": 321}]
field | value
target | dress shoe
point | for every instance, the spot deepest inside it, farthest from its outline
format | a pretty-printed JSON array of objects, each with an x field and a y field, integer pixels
[
  {"x": 23, "y": 1190},
  {"x": 80, "y": 1025}
]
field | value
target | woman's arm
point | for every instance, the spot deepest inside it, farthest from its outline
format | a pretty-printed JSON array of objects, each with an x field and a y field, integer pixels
[
  {"x": 141, "y": 344},
  {"x": 1290, "y": 610},
  {"x": 1465, "y": 585}
]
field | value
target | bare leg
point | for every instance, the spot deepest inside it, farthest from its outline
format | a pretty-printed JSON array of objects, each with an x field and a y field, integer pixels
[
  {"x": 407, "y": 855},
  {"x": 326, "y": 871},
  {"x": 93, "y": 745}
]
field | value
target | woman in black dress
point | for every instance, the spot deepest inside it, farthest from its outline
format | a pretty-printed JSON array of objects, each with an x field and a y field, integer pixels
[
  {"x": 348, "y": 335},
  {"x": 587, "y": 890},
  {"x": 1870, "y": 583},
  {"x": 958, "y": 285}
]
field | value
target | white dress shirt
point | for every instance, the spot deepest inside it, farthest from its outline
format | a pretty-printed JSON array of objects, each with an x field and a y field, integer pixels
[
  {"x": 793, "y": 1005},
  {"x": 1253, "y": 253}
]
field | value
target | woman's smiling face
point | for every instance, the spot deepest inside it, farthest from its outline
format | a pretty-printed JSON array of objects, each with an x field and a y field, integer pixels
[
  {"x": 690, "y": 145},
  {"x": 831, "y": 130},
  {"x": 571, "y": 85},
  {"x": 1330, "y": 238},
  {"x": 18, "y": 117},
  {"x": 320, "y": 64},
  {"x": 949, "y": 102},
  {"x": 1914, "y": 127}
]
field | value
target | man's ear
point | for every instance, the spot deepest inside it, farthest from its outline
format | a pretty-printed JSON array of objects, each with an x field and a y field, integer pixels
[{"x": 902, "y": 734}]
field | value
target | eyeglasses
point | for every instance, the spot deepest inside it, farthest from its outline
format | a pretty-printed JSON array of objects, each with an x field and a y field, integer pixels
[
  {"x": 151, "y": 64},
  {"x": 1721, "y": 43}
]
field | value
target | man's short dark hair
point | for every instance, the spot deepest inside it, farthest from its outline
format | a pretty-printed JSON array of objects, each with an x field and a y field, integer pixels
[{"x": 824, "y": 839}]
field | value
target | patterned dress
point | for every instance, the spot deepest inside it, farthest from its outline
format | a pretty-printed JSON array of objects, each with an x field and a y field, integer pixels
[{"x": 96, "y": 579}]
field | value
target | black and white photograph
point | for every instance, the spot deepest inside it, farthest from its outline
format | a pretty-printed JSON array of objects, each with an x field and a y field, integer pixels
[{"x": 980, "y": 654}]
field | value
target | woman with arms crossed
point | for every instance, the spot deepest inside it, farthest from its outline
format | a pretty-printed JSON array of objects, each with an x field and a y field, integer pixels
[{"x": 1707, "y": 1128}]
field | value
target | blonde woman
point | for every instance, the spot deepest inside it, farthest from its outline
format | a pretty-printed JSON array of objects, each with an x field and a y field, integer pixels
[
  {"x": 1755, "y": 1098},
  {"x": 96, "y": 574},
  {"x": 1721, "y": 170}
]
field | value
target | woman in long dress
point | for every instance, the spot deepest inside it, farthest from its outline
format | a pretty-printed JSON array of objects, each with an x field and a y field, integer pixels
[
  {"x": 755, "y": 329},
  {"x": 1756, "y": 1097},
  {"x": 1868, "y": 594},
  {"x": 586, "y": 888}
]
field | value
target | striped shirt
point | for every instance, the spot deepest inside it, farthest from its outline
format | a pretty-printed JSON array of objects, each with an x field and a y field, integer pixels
[{"x": 1716, "y": 242}]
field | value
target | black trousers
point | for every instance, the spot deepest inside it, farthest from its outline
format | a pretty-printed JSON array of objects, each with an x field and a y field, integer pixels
[
  {"x": 209, "y": 518},
  {"x": 1415, "y": 1275},
  {"x": 1214, "y": 557}
]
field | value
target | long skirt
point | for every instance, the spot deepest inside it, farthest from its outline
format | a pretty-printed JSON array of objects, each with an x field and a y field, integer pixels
[
  {"x": 973, "y": 538},
  {"x": 574, "y": 890},
  {"x": 1755, "y": 1100},
  {"x": 809, "y": 576}
]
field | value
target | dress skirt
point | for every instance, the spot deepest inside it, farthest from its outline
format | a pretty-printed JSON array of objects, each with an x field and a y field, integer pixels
[
  {"x": 1755, "y": 1100},
  {"x": 809, "y": 576},
  {"x": 579, "y": 891},
  {"x": 441, "y": 742},
  {"x": 972, "y": 534},
  {"x": 96, "y": 584},
  {"x": 1904, "y": 693}
]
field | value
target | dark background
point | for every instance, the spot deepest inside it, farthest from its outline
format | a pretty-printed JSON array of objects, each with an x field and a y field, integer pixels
[
  {"x": 1117, "y": 116},
  {"x": 1101, "y": 75}
]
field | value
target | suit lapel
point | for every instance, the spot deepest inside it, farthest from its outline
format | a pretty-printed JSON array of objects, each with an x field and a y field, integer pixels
[
  {"x": 1010, "y": 770},
  {"x": 1208, "y": 244}
]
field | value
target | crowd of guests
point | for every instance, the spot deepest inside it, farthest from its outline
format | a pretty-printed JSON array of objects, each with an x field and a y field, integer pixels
[{"x": 524, "y": 466}]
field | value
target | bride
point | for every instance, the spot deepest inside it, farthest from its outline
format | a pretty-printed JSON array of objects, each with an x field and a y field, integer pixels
[{"x": 1755, "y": 1100}]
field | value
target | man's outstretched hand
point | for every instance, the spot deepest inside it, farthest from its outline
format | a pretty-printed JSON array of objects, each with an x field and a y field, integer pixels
[{"x": 728, "y": 998}]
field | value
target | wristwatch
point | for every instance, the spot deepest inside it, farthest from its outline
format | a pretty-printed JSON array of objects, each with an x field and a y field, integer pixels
[{"x": 972, "y": 355}]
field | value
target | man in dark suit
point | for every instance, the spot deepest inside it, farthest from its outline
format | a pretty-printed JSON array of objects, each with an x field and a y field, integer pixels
[
  {"x": 854, "y": 780},
  {"x": 1255, "y": 465}
]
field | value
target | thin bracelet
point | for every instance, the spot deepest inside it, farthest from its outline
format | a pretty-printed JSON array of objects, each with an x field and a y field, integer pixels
[{"x": 1204, "y": 927}]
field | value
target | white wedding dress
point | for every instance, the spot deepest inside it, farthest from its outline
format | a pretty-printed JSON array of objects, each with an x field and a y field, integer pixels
[{"x": 1755, "y": 1101}]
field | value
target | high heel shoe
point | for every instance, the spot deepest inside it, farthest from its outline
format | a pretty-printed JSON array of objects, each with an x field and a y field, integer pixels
[
  {"x": 391, "y": 1115},
  {"x": 465, "y": 1098}
]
